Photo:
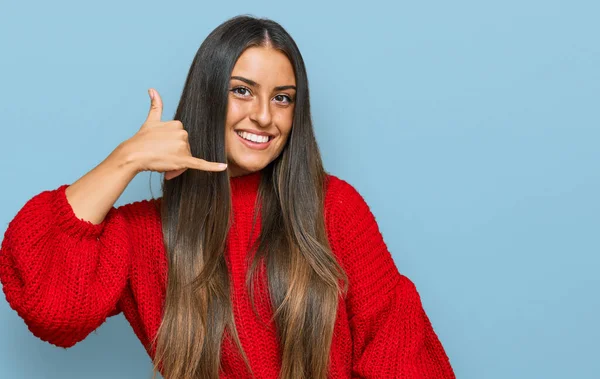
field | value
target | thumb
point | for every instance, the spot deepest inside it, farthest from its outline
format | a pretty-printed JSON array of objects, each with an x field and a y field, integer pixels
[{"x": 156, "y": 106}]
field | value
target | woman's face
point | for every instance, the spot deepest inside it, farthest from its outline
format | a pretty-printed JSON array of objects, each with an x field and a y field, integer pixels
[{"x": 260, "y": 109}]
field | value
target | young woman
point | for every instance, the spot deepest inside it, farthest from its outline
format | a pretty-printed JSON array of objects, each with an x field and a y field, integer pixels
[{"x": 266, "y": 268}]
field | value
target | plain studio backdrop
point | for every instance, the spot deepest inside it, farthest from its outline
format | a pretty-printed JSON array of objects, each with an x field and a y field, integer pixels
[{"x": 471, "y": 129}]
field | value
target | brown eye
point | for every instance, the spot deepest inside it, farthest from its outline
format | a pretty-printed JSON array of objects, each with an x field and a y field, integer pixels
[
  {"x": 241, "y": 91},
  {"x": 283, "y": 98}
]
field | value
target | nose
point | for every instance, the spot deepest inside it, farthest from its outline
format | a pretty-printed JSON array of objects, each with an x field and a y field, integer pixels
[{"x": 261, "y": 112}]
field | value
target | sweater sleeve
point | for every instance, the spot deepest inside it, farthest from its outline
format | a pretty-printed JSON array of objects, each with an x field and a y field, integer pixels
[
  {"x": 392, "y": 335},
  {"x": 61, "y": 274}
]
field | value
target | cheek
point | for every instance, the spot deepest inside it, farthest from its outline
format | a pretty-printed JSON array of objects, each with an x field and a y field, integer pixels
[
  {"x": 285, "y": 120},
  {"x": 236, "y": 111}
]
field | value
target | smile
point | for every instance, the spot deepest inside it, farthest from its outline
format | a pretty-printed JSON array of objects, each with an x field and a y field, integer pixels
[{"x": 254, "y": 141}]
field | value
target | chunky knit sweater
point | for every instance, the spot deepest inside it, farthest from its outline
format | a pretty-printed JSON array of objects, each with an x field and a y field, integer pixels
[{"x": 65, "y": 276}]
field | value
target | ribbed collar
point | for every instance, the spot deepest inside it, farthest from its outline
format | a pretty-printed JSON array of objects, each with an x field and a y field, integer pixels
[{"x": 245, "y": 184}]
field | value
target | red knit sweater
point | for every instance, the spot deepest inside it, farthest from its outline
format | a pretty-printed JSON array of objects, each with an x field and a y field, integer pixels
[{"x": 64, "y": 276}]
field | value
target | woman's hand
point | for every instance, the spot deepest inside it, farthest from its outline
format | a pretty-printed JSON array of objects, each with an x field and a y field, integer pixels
[{"x": 163, "y": 146}]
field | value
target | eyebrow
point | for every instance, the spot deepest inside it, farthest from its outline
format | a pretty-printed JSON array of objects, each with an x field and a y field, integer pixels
[{"x": 253, "y": 83}]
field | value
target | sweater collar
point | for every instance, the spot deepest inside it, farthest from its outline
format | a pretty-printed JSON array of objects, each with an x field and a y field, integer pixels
[{"x": 245, "y": 184}]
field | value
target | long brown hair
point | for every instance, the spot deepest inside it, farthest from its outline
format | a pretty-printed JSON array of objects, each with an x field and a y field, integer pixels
[{"x": 304, "y": 279}]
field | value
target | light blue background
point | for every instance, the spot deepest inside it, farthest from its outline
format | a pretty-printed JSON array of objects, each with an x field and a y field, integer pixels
[{"x": 471, "y": 129}]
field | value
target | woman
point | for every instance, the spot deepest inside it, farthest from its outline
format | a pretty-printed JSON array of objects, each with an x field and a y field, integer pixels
[{"x": 268, "y": 267}]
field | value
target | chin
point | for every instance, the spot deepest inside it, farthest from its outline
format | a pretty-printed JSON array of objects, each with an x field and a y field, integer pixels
[{"x": 249, "y": 166}]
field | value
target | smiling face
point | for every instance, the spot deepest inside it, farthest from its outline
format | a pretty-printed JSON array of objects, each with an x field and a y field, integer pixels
[{"x": 260, "y": 109}]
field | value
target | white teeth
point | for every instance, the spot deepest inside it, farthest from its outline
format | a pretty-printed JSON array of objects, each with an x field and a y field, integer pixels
[{"x": 253, "y": 137}]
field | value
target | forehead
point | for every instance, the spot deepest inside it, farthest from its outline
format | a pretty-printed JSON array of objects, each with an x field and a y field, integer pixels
[{"x": 265, "y": 65}]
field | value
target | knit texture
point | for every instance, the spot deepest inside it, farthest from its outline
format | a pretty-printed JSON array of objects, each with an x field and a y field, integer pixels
[{"x": 65, "y": 276}]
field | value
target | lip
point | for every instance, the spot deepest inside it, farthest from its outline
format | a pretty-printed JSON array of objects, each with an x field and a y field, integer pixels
[{"x": 255, "y": 145}]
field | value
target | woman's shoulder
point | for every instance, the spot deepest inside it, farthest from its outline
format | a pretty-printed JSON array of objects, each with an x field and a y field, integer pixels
[
  {"x": 141, "y": 209},
  {"x": 346, "y": 210},
  {"x": 141, "y": 214},
  {"x": 353, "y": 230},
  {"x": 143, "y": 226},
  {"x": 341, "y": 196}
]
